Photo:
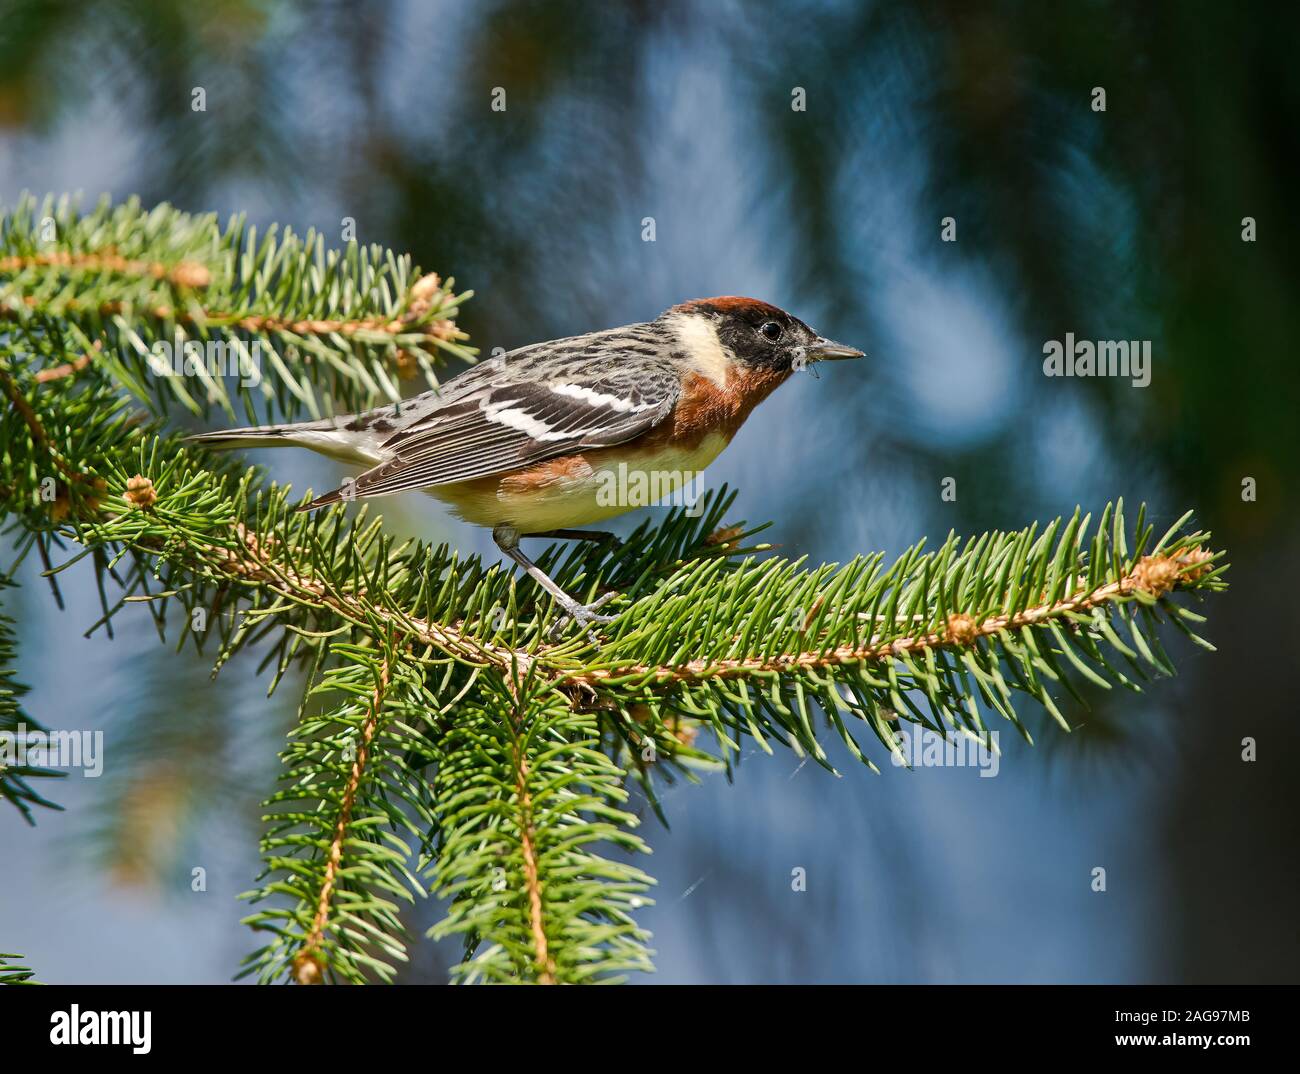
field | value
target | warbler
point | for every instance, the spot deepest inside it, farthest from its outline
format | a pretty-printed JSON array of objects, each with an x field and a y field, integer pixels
[{"x": 529, "y": 443}]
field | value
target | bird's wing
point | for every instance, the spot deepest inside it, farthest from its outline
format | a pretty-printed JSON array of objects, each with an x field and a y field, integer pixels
[{"x": 502, "y": 428}]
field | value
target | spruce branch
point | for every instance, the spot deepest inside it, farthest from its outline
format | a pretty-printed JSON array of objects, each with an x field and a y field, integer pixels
[
  {"x": 307, "y": 964},
  {"x": 348, "y": 821},
  {"x": 523, "y": 793},
  {"x": 444, "y": 735},
  {"x": 130, "y": 291}
]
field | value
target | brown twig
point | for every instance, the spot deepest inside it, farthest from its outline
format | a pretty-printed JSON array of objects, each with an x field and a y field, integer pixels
[
  {"x": 532, "y": 880},
  {"x": 307, "y": 964},
  {"x": 545, "y": 966},
  {"x": 1155, "y": 575},
  {"x": 182, "y": 274},
  {"x": 255, "y": 563},
  {"x": 67, "y": 369},
  {"x": 419, "y": 301},
  {"x": 35, "y": 427}
]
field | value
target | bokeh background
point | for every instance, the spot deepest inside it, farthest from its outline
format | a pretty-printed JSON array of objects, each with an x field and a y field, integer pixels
[{"x": 1122, "y": 224}]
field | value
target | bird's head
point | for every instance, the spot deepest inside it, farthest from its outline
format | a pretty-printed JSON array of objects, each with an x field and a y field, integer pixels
[{"x": 753, "y": 333}]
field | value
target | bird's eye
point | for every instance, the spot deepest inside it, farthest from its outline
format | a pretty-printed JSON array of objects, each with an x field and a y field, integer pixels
[{"x": 771, "y": 330}]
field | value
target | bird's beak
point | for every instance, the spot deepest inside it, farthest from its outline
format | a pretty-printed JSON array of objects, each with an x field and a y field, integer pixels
[{"x": 827, "y": 350}]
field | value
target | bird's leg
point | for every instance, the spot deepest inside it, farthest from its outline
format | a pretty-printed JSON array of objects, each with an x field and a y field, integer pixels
[{"x": 507, "y": 539}]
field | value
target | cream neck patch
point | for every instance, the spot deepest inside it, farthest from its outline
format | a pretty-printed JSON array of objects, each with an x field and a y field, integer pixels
[{"x": 707, "y": 355}]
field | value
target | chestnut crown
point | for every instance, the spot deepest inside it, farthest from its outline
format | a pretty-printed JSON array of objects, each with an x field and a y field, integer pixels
[{"x": 761, "y": 334}]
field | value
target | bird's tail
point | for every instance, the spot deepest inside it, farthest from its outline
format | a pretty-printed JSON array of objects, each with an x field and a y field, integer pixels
[
  {"x": 293, "y": 435},
  {"x": 337, "y": 496},
  {"x": 330, "y": 437}
]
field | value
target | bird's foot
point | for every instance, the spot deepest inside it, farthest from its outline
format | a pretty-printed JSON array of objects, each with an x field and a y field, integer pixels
[{"x": 585, "y": 615}]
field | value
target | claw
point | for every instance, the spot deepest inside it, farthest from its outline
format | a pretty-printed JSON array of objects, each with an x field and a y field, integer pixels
[{"x": 584, "y": 615}]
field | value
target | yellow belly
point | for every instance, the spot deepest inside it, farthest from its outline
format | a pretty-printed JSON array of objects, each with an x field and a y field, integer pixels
[{"x": 582, "y": 489}]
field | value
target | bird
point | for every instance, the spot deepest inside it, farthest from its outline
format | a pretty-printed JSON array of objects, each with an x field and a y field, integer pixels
[{"x": 542, "y": 440}]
